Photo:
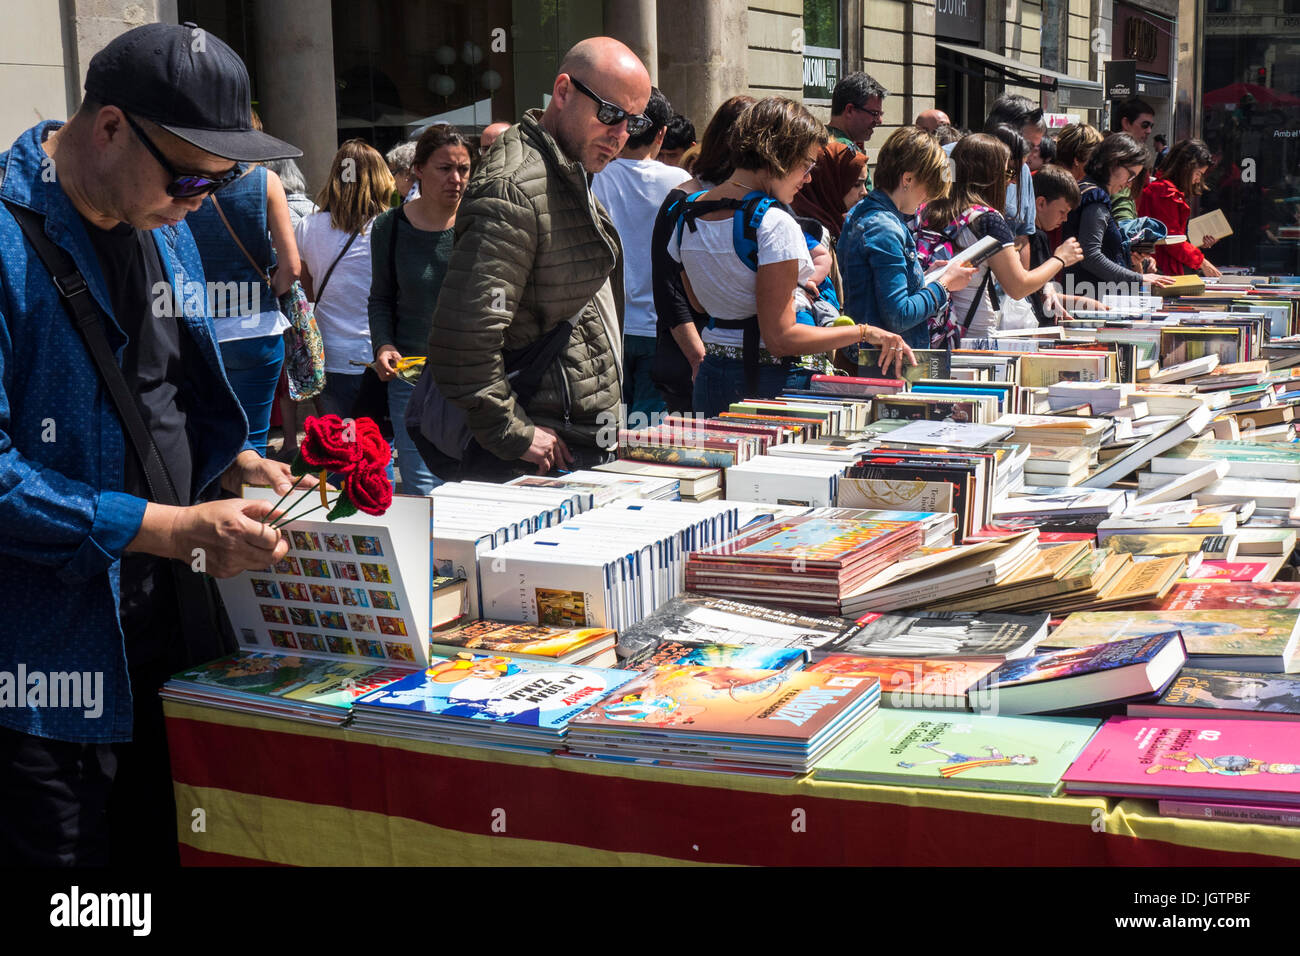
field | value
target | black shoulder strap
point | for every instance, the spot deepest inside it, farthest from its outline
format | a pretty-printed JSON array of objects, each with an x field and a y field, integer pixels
[
  {"x": 86, "y": 316},
  {"x": 398, "y": 217},
  {"x": 975, "y": 301},
  {"x": 330, "y": 271}
]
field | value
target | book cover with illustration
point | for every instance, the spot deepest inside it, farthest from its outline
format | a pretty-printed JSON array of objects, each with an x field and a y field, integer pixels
[
  {"x": 497, "y": 690},
  {"x": 1245, "y": 760},
  {"x": 1203, "y": 692},
  {"x": 906, "y": 681},
  {"x": 539, "y": 640},
  {"x": 1081, "y": 660},
  {"x": 917, "y": 748},
  {"x": 1222, "y": 596},
  {"x": 943, "y": 634},
  {"x": 708, "y": 619},
  {"x": 1219, "y": 638},
  {"x": 789, "y": 705},
  {"x": 820, "y": 543},
  {"x": 749, "y": 656},
  {"x": 318, "y": 682}
]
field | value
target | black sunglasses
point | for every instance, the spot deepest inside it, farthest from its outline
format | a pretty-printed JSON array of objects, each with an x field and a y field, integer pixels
[
  {"x": 185, "y": 185},
  {"x": 611, "y": 115}
]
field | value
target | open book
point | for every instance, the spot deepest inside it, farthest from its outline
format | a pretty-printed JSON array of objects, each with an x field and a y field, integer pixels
[
  {"x": 1211, "y": 224},
  {"x": 976, "y": 255}
]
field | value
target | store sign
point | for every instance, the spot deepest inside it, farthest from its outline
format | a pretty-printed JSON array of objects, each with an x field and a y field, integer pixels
[
  {"x": 821, "y": 71},
  {"x": 1144, "y": 38},
  {"x": 1121, "y": 79},
  {"x": 959, "y": 20}
]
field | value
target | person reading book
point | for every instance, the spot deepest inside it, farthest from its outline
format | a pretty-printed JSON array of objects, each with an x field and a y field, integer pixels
[
  {"x": 983, "y": 167},
  {"x": 746, "y": 283},
  {"x": 884, "y": 283},
  {"x": 1115, "y": 164},
  {"x": 1056, "y": 193},
  {"x": 1178, "y": 178}
]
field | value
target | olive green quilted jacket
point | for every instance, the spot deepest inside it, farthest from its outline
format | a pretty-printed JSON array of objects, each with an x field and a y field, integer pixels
[{"x": 533, "y": 246}]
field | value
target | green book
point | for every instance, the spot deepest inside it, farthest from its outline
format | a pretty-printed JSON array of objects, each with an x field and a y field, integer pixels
[{"x": 925, "y": 748}]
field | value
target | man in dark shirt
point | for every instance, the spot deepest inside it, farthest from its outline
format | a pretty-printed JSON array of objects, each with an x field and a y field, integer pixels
[{"x": 165, "y": 122}]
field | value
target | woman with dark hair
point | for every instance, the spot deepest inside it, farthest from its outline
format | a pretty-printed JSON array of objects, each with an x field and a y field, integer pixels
[
  {"x": 838, "y": 184},
  {"x": 983, "y": 167},
  {"x": 1074, "y": 148},
  {"x": 1180, "y": 177},
  {"x": 678, "y": 346},
  {"x": 409, "y": 248},
  {"x": 1114, "y": 165},
  {"x": 754, "y": 338}
]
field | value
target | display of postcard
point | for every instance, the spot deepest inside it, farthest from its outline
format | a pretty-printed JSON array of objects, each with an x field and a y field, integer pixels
[
  {"x": 916, "y": 748},
  {"x": 354, "y": 589}
]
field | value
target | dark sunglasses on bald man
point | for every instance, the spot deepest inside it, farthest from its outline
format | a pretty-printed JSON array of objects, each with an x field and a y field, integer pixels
[{"x": 611, "y": 115}]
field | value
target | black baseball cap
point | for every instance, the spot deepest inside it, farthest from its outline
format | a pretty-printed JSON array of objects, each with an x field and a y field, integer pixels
[{"x": 190, "y": 83}]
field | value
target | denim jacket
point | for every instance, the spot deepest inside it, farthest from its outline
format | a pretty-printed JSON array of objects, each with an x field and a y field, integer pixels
[
  {"x": 64, "y": 519},
  {"x": 884, "y": 284}
]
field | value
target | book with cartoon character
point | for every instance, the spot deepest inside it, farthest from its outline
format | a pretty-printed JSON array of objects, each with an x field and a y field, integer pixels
[
  {"x": 916, "y": 748},
  {"x": 1225, "y": 694},
  {"x": 470, "y": 693},
  {"x": 1246, "y": 761}
]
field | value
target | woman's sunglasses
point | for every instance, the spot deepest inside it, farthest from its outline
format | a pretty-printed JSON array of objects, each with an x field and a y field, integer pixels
[
  {"x": 185, "y": 185},
  {"x": 611, "y": 115}
]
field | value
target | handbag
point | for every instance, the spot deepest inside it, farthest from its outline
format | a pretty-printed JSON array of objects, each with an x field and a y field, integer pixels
[
  {"x": 304, "y": 349},
  {"x": 207, "y": 633}
]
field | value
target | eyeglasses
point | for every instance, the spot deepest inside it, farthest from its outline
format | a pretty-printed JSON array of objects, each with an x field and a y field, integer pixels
[
  {"x": 1146, "y": 124},
  {"x": 808, "y": 165},
  {"x": 185, "y": 185},
  {"x": 876, "y": 114},
  {"x": 1132, "y": 175},
  {"x": 611, "y": 115}
]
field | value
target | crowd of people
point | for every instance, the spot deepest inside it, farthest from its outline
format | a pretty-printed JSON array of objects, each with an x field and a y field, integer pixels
[{"x": 588, "y": 264}]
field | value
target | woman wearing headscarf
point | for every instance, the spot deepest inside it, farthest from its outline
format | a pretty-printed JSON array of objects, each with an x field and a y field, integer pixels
[{"x": 839, "y": 181}]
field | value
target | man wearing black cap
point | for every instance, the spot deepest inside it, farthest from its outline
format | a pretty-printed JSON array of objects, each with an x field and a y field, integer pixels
[{"x": 102, "y": 529}]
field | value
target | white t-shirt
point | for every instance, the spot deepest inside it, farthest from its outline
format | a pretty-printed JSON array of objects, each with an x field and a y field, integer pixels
[
  {"x": 342, "y": 316},
  {"x": 724, "y": 285},
  {"x": 632, "y": 190}
]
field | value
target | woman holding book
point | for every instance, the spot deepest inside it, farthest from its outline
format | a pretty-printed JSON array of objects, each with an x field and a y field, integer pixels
[
  {"x": 884, "y": 284},
  {"x": 1116, "y": 163},
  {"x": 753, "y": 336},
  {"x": 1179, "y": 176},
  {"x": 983, "y": 166}
]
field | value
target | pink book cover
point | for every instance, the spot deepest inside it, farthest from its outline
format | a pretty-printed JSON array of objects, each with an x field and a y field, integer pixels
[
  {"x": 1215, "y": 570},
  {"x": 1212, "y": 759}
]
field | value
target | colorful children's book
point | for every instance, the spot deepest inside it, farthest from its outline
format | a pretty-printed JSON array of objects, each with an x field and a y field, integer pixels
[
  {"x": 748, "y": 656},
  {"x": 1211, "y": 596},
  {"x": 1250, "y": 761},
  {"x": 930, "y": 682},
  {"x": 476, "y": 697},
  {"x": 914, "y": 748},
  {"x": 561, "y": 645}
]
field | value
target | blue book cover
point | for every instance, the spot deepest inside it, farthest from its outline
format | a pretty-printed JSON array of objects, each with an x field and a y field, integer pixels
[
  {"x": 499, "y": 690},
  {"x": 1081, "y": 660}
]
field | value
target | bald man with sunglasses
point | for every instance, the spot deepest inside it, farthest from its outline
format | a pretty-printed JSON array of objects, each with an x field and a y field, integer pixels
[{"x": 531, "y": 269}]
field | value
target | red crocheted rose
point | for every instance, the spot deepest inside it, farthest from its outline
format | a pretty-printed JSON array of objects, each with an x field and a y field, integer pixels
[
  {"x": 375, "y": 451},
  {"x": 369, "y": 489},
  {"x": 329, "y": 444}
]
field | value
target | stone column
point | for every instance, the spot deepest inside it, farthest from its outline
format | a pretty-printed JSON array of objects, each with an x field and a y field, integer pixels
[
  {"x": 295, "y": 70},
  {"x": 90, "y": 25},
  {"x": 707, "y": 60},
  {"x": 635, "y": 23}
]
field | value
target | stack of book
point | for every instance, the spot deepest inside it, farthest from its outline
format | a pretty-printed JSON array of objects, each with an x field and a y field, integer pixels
[
  {"x": 771, "y": 722},
  {"x": 808, "y": 563},
  {"x": 693, "y": 484},
  {"x": 478, "y": 700}
]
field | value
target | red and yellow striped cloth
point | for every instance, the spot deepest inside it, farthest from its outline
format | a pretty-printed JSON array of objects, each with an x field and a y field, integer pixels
[{"x": 267, "y": 791}]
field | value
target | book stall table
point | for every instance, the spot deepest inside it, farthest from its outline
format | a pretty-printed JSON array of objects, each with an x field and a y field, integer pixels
[{"x": 279, "y": 792}]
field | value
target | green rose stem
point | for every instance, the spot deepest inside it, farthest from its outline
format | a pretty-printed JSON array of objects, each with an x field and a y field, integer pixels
[
  {"x": 284, "y": 518},
  {"x": 283, "y": 496}
]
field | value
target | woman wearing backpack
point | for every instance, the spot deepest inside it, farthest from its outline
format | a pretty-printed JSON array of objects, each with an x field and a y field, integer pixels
[
  {"x": 884, "y": 283},
  {"x": 774, "y": 145},
  {"x": 1114, "y": 165},
  {"x": 982, "y": 167}
]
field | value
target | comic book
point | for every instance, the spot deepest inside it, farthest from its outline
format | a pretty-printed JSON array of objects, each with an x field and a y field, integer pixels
[
  {"x": 1197, "y": 692},
  {"x": 1248, "y": 761},
  {"x": 905, "y": 682},
  {"x": 561, "y": 645},
  {"x": 916, "y": 748}
]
